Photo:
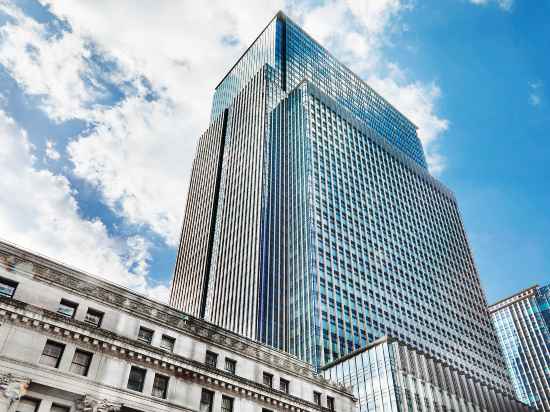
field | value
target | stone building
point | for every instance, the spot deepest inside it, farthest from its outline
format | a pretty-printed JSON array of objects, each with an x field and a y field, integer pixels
[{"x": 72, "y": 342}]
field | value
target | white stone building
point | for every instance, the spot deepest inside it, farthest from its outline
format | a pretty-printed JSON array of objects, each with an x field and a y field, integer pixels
[{"x": 72, "y": 342}]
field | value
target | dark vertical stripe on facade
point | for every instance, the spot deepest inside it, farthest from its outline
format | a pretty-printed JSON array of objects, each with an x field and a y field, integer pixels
[
  {"x": 282, "y": 19},
  {"x": 208, "y": 265}
]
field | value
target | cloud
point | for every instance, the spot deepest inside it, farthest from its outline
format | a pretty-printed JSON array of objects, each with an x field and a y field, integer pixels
[
  {"x": 505, "y": 5},
  {"x": 51, "y": 153},
  {"x": 535, "y": 93},
  {"x": 39, "y": 211}
]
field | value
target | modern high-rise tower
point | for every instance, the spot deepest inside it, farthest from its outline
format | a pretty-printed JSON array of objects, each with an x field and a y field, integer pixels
[
  {"x": 313, "y": 225},
  {"x": 522, "y": 323}
]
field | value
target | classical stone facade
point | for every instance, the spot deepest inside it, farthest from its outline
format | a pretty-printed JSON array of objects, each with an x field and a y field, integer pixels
[{"x": 72, "y": 342}]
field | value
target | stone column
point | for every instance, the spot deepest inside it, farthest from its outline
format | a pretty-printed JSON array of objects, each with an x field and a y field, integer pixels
[
  {"x": 12, "y": 388},
  {"x": 90, "y": 404}
]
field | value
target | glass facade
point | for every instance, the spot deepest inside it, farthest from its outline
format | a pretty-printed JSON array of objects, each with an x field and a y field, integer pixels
[
  {"x": 313, "y": 225},
  {"x": 295, "y": 56},
  {"x": 390, "y": 376},
  {"x": 522, "y": 323}
]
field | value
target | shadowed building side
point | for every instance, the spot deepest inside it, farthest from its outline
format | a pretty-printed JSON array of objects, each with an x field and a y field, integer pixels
[{"x": 194, "y": 257}]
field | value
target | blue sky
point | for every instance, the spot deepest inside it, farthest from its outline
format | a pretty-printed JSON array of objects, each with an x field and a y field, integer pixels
[{"x": 101, "y": 107}]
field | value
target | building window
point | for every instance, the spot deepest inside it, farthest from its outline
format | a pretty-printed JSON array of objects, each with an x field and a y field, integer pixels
[
  {"x": 160, "y": 386},
  {"x": 268, "y": 379},
  {"x": 330, "y": 403},
  {"x": 284, "y": 385},
  {"x": 60, "y": 408},
  {"x": 81, "y": 362},
  {"x": 136, "y": 379},
  {"x": 211, "y": 359},
  {"x": 7, "y": 287},
  {"x": 51, "y": 355},
  {"x": 230, "y": 365},
  {"x": 167, "y": 343},
  {"x": 317, "y": 398},
  {"x": 145, "y": 335},
  {"x": 227, "y": 404},
  {"x": 67, "y": 308},
  {"x": 207, "y": 400},
  {"x": 94, "y": 317},
  {"x": 266, "y": 410},
  {"x": 27, "y": 405}
]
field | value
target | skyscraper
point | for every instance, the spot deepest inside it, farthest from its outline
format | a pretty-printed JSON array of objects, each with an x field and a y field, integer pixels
[
  {"x": 313, "y": 225},
  {"x": 522, "y": 323}
]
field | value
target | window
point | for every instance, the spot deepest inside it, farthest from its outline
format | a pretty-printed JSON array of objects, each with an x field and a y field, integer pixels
[
  {"x": 317, "y": 398},
  {"x": 67, "y": 308},
  {"x": 230, "y": 365},
  {"x": 227, "y": 404},
  {"x": 167, "y": 343},
  {"x": 266, "y": 410},
  {"x": 207, "y": 399},
  {"x": 94, "y": 317},
  {"x": 268, "y": 379},
  {"x": 59, "y": 408},
  {"x": 27, "y": 405},
  {"x": 51, "y": 355},
  {"x": 284, "y": 385},
  {"x": 160, "y": 386},
  {"x": 211, "y": 359},
  {"x": 81, "y": 362},
  {"x": 330, "y": 403},
  {"x": 7, "y": 287},
  {"x": 136, "y": 379},
  {"x": 145, "y": 335}
]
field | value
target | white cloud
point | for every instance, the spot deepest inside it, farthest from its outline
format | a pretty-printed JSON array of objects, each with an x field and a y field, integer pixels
[
  {"x": 41, "y": 213},
  {"x": 51, "y": 152},
  {"x": 505, "y": 5},
  {"x": 535, "y": 93}
]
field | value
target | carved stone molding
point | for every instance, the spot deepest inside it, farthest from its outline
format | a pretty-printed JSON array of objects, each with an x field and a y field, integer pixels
[
  {"x": 12, "y": 387},
  {"x": 90, "y": 404}
]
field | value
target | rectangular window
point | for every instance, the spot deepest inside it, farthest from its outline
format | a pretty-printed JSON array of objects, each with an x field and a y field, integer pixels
[
  {"x": 268, "y": 379},
  {"x": 284, "y": 385},
  {"x": 160, "y": 386},
  {"x": 330, "y": 403},
  {"x": 230, "y": 365},
  {"x": 211, "y": 359},
  {"x": 51, "y": 355},
  {"x": 59, "y": 408},
  {"x": 27, "y": 405},
  {"x": 317, "y": 398},
  {"x": 145, "y": 335},
  {"x": 7, "y": 287},
  {"x": 167, "y": 343},
  {"x": 81, "y": 362},
  {"x": 67, "y": 308},
  {"x": 136, "y": 379},
  {"x": 227, "y": 404},
  {"x": 94, "y": 317},
  {"x": 207, "y": 400}
]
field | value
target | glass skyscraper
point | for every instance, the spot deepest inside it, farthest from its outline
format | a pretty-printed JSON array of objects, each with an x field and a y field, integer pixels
[
  {"x": 522, "y": 323},
  {"x": 313, "y": 225}
]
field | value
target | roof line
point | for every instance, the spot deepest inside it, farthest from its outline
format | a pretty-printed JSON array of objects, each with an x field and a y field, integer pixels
[
  {"x": 498, "y": 302},
  {"x": 279, "y": 14}
]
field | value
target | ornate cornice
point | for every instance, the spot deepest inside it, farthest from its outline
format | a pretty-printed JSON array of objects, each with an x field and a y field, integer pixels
[
  {"x": 12, "y": 387},
  {"x": 89, "y": 287},
  {"x": 89, "y": 403},
  {"x": 136, "y": 352}
]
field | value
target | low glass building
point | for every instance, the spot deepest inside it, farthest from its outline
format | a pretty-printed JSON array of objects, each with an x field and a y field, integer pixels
[
  {"x": 522, "y": 322},
  {"x": 391, "y": 376}
]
